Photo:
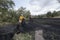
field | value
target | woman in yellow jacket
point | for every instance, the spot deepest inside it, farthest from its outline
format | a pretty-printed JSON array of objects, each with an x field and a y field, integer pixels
[
  {"x": 21, "y": 18},
  {"x": 21, "y": 24}
]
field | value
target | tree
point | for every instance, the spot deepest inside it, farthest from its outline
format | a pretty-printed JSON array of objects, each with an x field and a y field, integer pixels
[
  {"x": 23, "y": 11},
  {"x": 49, "y": 14},
  {"x": 58, "y": 12},
  {"x": 5, "y": 5},
  {"x": 12, "y": 15},
  {"x": 54, "y": 14},
  {"x": 40, "y": 16},
  {"x": 27, "y": 14}
]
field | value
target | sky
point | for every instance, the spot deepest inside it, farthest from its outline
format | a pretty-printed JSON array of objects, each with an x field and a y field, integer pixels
[{"x": 38, "y": 7}]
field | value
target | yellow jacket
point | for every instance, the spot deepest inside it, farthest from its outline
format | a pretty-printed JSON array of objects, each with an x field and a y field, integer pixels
[{"x": 21, "y": 18}]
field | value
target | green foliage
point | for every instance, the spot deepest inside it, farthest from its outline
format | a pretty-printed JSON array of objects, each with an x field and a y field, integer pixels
[
  {"x": 13, "y": 16},
  {"x": 48, "y": 14},
  {"x": 22, "y": 36},
  {"x": 54, "y": 14},
  {"x": 5, "y": 5},
  {"x": 23, "y": 11}
]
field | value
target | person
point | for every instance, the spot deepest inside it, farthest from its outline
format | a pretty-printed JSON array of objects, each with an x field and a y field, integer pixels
[
  {"x": 21, "y": 19},
  {"x": 22, "y": 23}
]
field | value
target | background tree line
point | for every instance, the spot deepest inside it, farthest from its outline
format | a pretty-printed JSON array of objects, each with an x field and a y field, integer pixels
[{"x": 48, "y": 15}]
